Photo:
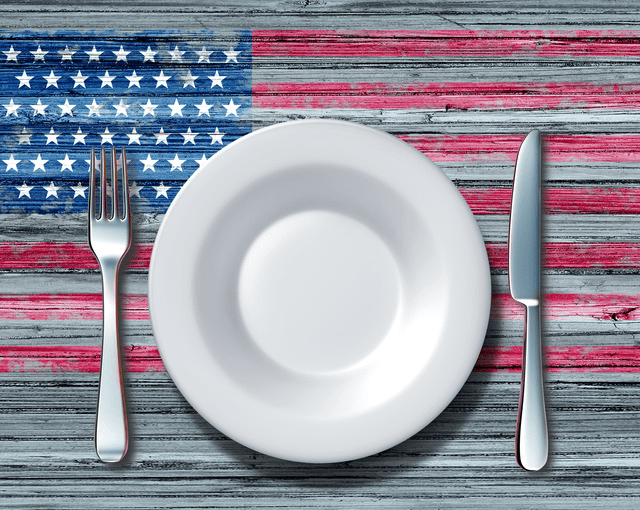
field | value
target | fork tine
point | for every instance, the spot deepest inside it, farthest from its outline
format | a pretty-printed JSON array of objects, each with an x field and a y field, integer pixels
[
  {"x": 125, "y": 186},
  {"x": 92, "y": 187},
  {"x": 114, "y": 185},
  {"x": 103, "y": 184}
]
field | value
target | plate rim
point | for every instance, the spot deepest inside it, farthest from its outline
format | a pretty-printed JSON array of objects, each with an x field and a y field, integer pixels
[{"x": 163, "y": 350}]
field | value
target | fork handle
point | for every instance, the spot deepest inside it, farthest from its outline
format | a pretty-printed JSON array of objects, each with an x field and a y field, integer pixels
[
  {"x": 111, "y": 439},
  {"x": 531, "y": 430}
]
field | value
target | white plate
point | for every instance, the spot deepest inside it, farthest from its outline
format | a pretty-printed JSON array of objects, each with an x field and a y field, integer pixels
[{"x": 319, "y": 291}]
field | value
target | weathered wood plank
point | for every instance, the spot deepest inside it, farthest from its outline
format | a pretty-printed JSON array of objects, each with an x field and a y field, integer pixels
[
  {"x": 438, "y": 70},
  {"x": 462, "y": 122},
  {"x": 599, "y": 228},
  {"x": 198, "y": 14}
]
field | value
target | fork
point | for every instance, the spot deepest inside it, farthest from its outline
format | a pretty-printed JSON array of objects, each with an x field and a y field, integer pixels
[{"x": 110, "y": 239}]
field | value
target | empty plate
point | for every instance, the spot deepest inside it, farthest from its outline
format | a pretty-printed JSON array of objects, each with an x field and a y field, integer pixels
[{"x": 319, "y": 291}]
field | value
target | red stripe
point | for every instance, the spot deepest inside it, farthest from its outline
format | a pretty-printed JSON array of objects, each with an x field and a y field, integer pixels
[
  {"x": 75, "y": 359},
  {"x": 147, "y": 359},
  {"x": 47, "y": 255},
  {"x": 445, "y": 43},
  {"x": 575, "y": 255},
  {"x": 445, "y": 95},
  {"x": 557, "y": 148},
  {"x": 572, "y": 307},
  {"x": 555, "y": 255},
  {"x": 563, "y": 359},
  {"x": 42, "y": 307},
  {"x": 559, "y": 200}
]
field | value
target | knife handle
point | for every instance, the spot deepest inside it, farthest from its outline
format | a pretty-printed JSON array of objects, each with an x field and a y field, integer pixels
[{"x": 532, "y": 443}]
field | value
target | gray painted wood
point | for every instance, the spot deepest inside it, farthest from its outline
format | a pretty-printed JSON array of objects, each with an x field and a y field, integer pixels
[
  {"x": 556, "y": 228},
  {"x": 415, "y": 14},
  {"x": 180, "y": 461},
  {"x": 620, "y": 69},
  {"x": 464, "y": 458}
]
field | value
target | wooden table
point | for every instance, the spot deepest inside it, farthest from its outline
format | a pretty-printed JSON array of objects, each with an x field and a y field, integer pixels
[{"x": 464, "y": 83}]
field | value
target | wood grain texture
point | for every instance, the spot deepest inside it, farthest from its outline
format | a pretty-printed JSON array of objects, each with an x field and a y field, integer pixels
[{"x": 464, "y": 459}]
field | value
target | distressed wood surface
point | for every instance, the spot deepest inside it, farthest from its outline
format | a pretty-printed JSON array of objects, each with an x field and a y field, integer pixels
[{"x": 581, "y": 91}]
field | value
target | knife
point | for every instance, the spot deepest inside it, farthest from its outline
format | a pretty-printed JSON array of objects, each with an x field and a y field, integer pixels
[{"x": 524, "y": 284}]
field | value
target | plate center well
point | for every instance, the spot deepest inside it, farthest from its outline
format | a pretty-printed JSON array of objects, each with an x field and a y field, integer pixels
[{"x": 318, "y": 291}]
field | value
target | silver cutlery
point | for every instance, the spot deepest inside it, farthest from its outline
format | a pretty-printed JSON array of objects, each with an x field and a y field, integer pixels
[
  {"x": 110, "y": 239},
  {"x": 524, "y": 284}
]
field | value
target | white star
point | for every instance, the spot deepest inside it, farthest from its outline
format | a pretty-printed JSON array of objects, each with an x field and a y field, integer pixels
[
  {"x": 107, "y": 137},
  {"x": 52, "y": 137},
  {"x": 231, "y": 108},
  {"x": 24, "y": 190},
  {"x": 38, "y": 54},
  {"x": 134, "y": 137},
  {"x": 12, "y": 108},
  {"x": 202, "y": 161},
  {"x": 148, "y": 163},
  {"x": 96, "y": 163},
  {"x": 176, "y": 163},
  {"x": 38, "y": 164},
  {"x": 203, "y": 109},
  {"x": 189, "y": 137},
  {"x": 162, "y": 79},
  {"x": 176, "y": 108},
  {"x": 66, "y": 108},
  {"x": 94, "y": 54},
  {"x": 121, "y": 54},
  {"x": 79, "y": 80},
  {"x": 38, "y": 108},
  {"x": 148, "y": 108},
  {"x": 52, "y": 79},
  {"x": 12, "y": 163},
  {"x": 216, "y": 137},
  {"x": 79, "y": 137},
  {"x": 134, "y": 79},
  {"x": 66, "y": 163},
  {"x": 176, "y": 55},
  {"x": 232, "y": 55},
  {"x": 94, "y": 108},
  {"x": 188, "y": 80},
  {"x": 203, "y": 55},
  {"x": 106, "y": 79},
  {"x": 121, "y": 109},
  {"x": 12, "y": 56},
  {"x": 24, "y": 79},
  {"x": 24, "y": 137},
  {"x": 162, "y": 137},
  {"x": 216, "y": 79},
  {"x": 161, "y": 190},
  {"x": 78, "y": 191},
  {"x": 52, "y": 190},
  {"x": 134, "y": 190},
  {"x": 149, "y": 54},
  {"x": 66, "y": 54}
]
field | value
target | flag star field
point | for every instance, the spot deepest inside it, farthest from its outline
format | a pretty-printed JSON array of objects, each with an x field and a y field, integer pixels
[{"x": 171, "y": 101}]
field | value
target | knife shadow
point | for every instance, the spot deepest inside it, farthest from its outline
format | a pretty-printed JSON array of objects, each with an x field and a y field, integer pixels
[{"x": 544, "y": 289}]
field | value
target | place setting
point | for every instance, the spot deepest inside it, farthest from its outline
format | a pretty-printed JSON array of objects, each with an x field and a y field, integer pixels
[
  {"x": 306, "y": 302},
  {"x": 306, "y": 280}
]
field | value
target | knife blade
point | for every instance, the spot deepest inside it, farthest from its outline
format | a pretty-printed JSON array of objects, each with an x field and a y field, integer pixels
[{"x": 524, "y": 284}]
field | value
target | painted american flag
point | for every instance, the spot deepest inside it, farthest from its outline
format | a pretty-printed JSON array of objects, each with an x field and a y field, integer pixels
[
  {"x": 173, "y": 99},
  {"x": 173, "y": 102}
]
